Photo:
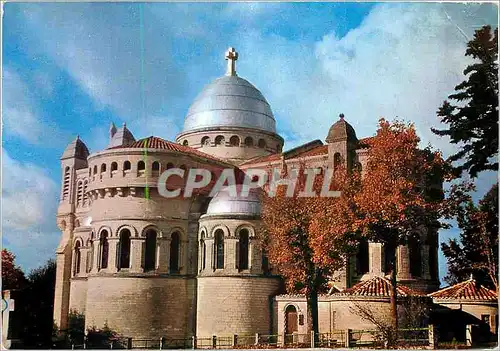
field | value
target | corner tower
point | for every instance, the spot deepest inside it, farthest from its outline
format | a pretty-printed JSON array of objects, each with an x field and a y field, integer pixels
[{"x": 231, "y": 119}]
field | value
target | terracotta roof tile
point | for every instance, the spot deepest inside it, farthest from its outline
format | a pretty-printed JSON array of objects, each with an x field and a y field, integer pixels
[
  {"x": 320, "y": 150},
  {"x": 378, "y": 287},
  {"x": 153, "y": 142},
  {"x": 262, "y": 159},
  {"x": 468, "y": 290}
]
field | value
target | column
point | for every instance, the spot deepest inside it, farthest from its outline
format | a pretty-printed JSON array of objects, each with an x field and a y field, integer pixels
[
  {"x": 210, "y": 254},
  {"x": 230, "y": 255},
  {"x": 112, "y": 255},
  {"x": 255, "y": 254},
  {"x": 95, "y": 260},
  {"x": 403, "y": 262},
  {"x": 163, "y": 255},
  {"x": 183, "y": 256},
  {"x": 426, "y": 272},
  {"x": 83, "y": 261},
  {"x": 376, "y": 258},
  {"x": 136, "y": 254}
]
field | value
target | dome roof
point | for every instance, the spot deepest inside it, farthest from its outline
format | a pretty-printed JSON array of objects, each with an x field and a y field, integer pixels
[
  {"x": 225, "y": 204},
  {"x": 230, "y": 101},
  {"x": 341, "y": 131}
]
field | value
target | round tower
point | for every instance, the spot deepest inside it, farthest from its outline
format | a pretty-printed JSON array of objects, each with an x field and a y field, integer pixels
[
  {"x": 235, "y": 284},
  {"x": 231, "y": 119}
]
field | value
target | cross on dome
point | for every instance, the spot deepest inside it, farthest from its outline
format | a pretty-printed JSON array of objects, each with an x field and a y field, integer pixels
[{"x": 231, "y": 57}]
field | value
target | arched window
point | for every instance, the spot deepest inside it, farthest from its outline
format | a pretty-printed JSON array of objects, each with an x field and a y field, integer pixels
[
  {"x": 78, "y": 257},
  {"x": 175, "y": 245},
  {"x": 415, "y": 258},
  {"x": 65, "y": 194},
  {"x": 278, "y": 148},
  {"x": 155, "y": 168},
  {"x": 248, "y": 141},
  {"x": 85, "y": 194},
  {"x": 103, "y": 168},
  {"x": 79, "y": 194},
  {"x": 205, "y": 141},
  {"x": 262, "y": 143},
  {"x": 90, "y": 252},
  {"x": 219, "y": 249},
  {"x": 150, "y": 252},
  {"x": 265, "y": 263},
  {"x": 203, "y": 250},
  {"x": 337, "y": 160},
  {"x": 219, "y": 140},
  {"x": 127, "y": 166},
  {"x": 104, "y": 246},
  {"x": 234, "y": 140},
  {"x": 243, "y": 250},
  {"x": 124, "y": 249},
  {"x": 95, "y": 170},
  {"x": 114, "y": 167},
  {"x": 141, "y": 167},
  {"x": 185, "y": 143},
  {"x": 170, "y": 165},
  {"x": 362, "y": 263}
]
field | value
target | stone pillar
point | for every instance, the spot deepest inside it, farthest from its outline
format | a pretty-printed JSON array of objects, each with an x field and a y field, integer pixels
[
  {"x": 63, "y": 276},
  {"x": 468, "y": 334},
  {"x": 255, "y": 254},
  {"x": 136, "y": 254},
  {"x": 113, "y": 255},
  {"x": 426, "y": 272},
  {"x": 83, "y": 261},
  {"x": 163, "y": 254},
  {"x": 96, "y": 263},
  {"x": 183, "y": 256},
  {"x": 230, "y": 255},
  {"x": 376, "y": 258},
  {"x": 433, "y": 342},
  {"x": 403, "y": 262},
  {"x": 210, "y": 265}
]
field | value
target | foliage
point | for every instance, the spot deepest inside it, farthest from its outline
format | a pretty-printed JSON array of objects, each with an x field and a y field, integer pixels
[
  {"x": 473, "y": 121},
  {"x": 37, "y": 309},
  {"x": 476, "y": 251},
  {"x": 12, "y": 276},
  {"x": 102, "y": 338},
  {"x": 401, "y": 192},
  {"x": 303, "y": 252}
]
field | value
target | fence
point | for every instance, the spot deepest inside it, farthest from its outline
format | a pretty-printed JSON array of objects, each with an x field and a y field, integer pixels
[{"x": 416, "y": 337}]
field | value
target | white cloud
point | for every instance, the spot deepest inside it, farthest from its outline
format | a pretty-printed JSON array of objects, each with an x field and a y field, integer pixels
[
  {"x": 20, "y": 112},
  {"x": 28, "y": 194}
]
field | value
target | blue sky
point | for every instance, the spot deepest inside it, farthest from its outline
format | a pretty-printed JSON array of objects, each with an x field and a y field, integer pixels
[{"x": 71, "y": 68}]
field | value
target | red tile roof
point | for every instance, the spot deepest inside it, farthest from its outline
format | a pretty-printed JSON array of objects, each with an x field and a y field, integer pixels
[
  {"x": 153, "y": 142},
  {"x": 262, "y": 159},
  {"x": 320, "y": 150},
  {"x": 378, "y": 287},
  {"x": 468, "y": 290}
]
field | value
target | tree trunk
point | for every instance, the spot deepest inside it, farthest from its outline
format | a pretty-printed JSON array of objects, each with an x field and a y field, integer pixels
[
  {"x": 394, "y": 299},
  {"x": 312, "y": 312}
]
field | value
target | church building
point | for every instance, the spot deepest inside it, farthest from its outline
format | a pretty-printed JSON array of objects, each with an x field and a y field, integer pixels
[{"x": 149, "y": 266}]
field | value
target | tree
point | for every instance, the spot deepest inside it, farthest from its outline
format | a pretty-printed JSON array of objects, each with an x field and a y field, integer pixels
[
  {"x": 476, "y": 252},
  {"x": 473, "y": 122},
  {"x": 12, "y": 276},
  {"x": 303, "y": 253},
  {"x": 37, "y": 309},
  {"x": 401, "y": 191}
]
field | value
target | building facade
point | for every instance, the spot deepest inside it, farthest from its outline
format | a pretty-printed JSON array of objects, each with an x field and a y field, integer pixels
[{"x": 150, "y": 266}]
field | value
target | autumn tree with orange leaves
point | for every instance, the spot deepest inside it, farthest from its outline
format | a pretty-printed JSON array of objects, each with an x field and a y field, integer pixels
[
  {"x": 401, "y": 190},
  {"x": 298, "y": 247}
]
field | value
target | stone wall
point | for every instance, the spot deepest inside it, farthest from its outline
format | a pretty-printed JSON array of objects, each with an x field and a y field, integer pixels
[
  {"x": 235, "y": 305},
  {"x": 141, "y": 307}
]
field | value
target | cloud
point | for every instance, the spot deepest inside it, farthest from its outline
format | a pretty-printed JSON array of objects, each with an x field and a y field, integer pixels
[
  {"x": 29, "y": 202},
  {"x": 20, "y": 112}
]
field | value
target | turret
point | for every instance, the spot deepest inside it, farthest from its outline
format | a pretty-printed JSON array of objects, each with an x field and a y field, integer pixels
[
  {"x": 342, "y": 143},
  {"x": 120, "y": 137}
]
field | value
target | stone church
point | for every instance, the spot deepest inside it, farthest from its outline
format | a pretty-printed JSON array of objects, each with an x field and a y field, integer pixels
[{"x": 150, "y": 266}]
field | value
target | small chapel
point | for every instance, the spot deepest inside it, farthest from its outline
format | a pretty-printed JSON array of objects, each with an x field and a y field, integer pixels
[{"x": 149, "y": 266}]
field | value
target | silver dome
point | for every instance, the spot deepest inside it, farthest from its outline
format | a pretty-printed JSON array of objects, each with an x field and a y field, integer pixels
[
  {"x": 223, "y": 203},
  {"x": 230, "y": 101}
]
